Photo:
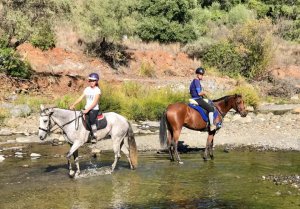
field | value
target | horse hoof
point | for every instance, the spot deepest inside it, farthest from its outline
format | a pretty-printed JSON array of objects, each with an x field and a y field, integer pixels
[
  {"x": 180, "y": 163},
  {"x": 205, "y": 159},
  {"x": 71, "y": 174}
]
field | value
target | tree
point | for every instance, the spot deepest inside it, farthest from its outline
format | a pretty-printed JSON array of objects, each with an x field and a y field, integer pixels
[{"x": 166, "y": 21}]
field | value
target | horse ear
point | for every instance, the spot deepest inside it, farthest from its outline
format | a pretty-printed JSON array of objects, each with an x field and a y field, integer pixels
[{"x": 42, "y": 107}]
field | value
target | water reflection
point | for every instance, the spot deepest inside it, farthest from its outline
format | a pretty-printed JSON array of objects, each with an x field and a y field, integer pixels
[{"x": 232, "y": 180}]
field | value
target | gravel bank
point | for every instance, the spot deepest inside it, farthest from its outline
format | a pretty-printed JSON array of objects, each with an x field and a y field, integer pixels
[{"x": 258, "y": 130}]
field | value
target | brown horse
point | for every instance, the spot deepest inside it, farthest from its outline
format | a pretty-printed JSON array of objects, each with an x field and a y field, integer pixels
[{"x": 179, "y": 114}]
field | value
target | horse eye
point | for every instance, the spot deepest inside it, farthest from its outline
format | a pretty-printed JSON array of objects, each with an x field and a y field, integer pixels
[{"x": 45, "y": 121}]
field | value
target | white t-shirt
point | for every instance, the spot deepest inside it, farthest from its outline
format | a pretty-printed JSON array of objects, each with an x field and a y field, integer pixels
[{"x": 90, "y": 94}]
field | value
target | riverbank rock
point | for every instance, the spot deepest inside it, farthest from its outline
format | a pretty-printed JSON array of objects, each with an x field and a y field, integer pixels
[
  {"x": 5, "y": 132},
  {"x": 2, "y": 158},
  {"x": 28, "y": 139}
]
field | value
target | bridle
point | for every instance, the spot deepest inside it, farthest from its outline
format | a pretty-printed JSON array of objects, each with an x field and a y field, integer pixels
[
  {"x": 238, "y": 109},
  {"x": 48, "y": 130},
  {"x": 49, "y": 124}
]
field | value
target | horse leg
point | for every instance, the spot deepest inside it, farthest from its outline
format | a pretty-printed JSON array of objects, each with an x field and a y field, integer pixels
[
  {"x": 211, "y": 151},
  {"x": 208, "y": 145},
  {"x": 116, "y": 148},
  {"x": 76, "y": 159},
  {"x": 71, "y": 172},
  {"x": 175, "y": 143},
  {"x": 73, "y": 148}
]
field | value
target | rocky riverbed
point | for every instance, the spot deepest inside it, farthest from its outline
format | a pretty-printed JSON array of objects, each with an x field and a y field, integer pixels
[
  {"x": 256, "y": 132},
  {"x": 261, "y": 130}
]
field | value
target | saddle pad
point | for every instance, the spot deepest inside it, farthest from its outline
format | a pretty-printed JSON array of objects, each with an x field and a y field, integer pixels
[
  {"x": 101, "y": 122},
  {"x": 203, "y": 112}
]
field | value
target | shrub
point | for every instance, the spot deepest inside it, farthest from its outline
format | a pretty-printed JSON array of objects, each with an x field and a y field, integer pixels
[
  {"x": 147, "y": 70},
  {"x": 199, "y": 47},
  {"x": 166, "y": 21},
  {"x": 254, "y": 41},
  {"x": 4, "y": 113},
  {"x": 11, "y": 64},
  {"x": 290, "y": 30},
  {"x": 65, "y": 101},
  {"x": 133, "y": 89},
  {"x": 225, "y": 57},
  {"x": 111, "y": 98},
  {"x": 43, "y": 37},
  {"x": 240, "y": 14},
  {"x": 260, "y": 8},
  {"x": 249, "y": 93},
  {"x": 33, "y": 102}
]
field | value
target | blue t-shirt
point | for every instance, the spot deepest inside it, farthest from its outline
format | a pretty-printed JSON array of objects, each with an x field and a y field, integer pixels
[{"x": 195, "y": 89}]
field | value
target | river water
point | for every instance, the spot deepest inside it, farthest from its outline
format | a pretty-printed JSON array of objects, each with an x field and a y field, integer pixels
[{"x": 231, "y": 180}]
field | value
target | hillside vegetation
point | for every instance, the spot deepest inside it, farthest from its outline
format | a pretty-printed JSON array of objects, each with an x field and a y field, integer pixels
[{"x": 232, "y": 36}]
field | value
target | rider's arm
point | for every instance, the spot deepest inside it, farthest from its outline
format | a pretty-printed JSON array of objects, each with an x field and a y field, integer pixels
[
  {"x": 77, "y": 101},
  {"x": 95, "y": 102},
  {"x": 199, "y": 88}
]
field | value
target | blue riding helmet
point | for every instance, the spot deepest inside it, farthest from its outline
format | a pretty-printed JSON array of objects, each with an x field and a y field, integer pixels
[
  {"x": 94, "y": 76},
  {"x": 200, "y": 70}
]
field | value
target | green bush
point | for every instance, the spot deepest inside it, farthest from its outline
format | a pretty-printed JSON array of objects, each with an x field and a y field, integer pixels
[
  {"x": 43, "y": 37},
  {"x": 254, "y": 41},
  {"x": 240, "y": 14},
  {"x": 32, "y": 101},
  {"x": 249, "y": 93},
  {"x": 225, "y": 57},
  {"x": 133, "y": 89},
  {"x": 260, "y": 7},
  {"x": 11, "y": 64},
  {"x": 199, "y": 47},
  {"x": 166, "y": 21},
  {"x": 290, "y": 30}
]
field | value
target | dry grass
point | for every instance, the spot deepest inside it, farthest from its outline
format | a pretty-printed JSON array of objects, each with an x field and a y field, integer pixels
[
  {"x": 286, "y": 53},
  {"x": 139, "y": 45}
]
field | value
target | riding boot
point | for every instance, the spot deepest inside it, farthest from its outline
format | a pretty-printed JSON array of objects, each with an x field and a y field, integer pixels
[
  {"x": 94, "y": 134},
  {"x": 211, "y": 121}
]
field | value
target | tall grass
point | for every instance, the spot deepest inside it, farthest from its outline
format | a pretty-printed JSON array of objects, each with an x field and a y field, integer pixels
[{"x": 138, "y": 102}]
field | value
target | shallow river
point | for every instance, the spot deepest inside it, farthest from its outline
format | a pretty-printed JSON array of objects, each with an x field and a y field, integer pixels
[{"x": 232, "y": 180}]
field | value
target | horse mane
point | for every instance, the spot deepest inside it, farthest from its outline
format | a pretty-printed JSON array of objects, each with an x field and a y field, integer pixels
[{"x": 226, "y": 98}]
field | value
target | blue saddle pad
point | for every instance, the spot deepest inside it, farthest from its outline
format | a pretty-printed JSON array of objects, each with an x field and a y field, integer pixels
[{"x": 203, "y": 112}]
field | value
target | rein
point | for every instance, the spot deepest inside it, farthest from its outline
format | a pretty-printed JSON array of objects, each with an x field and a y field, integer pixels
[{"x": 76, "y": 119}]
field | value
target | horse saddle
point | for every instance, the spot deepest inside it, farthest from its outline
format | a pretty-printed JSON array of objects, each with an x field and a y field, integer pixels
[
  {"x": 204, "y": 114},
  {"x": 101, "y": 122}
]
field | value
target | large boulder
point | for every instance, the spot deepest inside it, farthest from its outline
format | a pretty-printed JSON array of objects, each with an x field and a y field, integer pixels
[{"x": 20, "y": 110}]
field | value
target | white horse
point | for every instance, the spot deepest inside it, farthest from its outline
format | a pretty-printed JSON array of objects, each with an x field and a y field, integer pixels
[{"x": 74, "y": 131}]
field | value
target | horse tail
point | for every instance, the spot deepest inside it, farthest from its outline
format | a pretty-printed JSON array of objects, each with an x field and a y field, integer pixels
[
  {"x": 163, "y": 130},
  {"x": 132, "y": 147}
]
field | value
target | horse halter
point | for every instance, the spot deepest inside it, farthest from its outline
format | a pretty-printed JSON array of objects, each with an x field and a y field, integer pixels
[
  {"x": 237, "y": 107},
  {"x": 59, "y": 126},
  {"x": 49, "y": 124}
]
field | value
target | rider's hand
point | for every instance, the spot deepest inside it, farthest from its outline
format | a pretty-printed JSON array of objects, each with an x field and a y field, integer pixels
[
  {"x": 72, "y": 107},
  {"x": 85, "y": 111}
]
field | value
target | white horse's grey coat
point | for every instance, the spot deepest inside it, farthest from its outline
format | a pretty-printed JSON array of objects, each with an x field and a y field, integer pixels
[{"x": 76, "y": 134}]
